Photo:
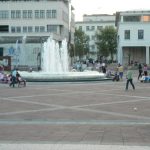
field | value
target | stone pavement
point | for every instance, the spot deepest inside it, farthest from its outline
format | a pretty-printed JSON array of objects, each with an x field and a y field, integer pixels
[
  {"x": 67, "y": 116},
  {"x": 69, "y": 147}
]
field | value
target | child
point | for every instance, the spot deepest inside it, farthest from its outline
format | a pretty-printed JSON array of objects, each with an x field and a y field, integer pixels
[{"x": 116, "y": 77}]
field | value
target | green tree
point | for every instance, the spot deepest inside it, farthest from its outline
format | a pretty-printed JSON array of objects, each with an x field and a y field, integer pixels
[
  {"x": 107, "y": 41},
  {"x": 72, "y": 53},
  {"x": 81, "y": 41}
]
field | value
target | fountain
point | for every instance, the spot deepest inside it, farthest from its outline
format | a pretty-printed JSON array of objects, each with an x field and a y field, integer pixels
[{"x": 55, "y": 66}]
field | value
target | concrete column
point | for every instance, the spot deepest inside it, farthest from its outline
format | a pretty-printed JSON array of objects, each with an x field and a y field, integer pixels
[
  {"x": 147, "y": 55},
  {"x": 120, "y": 55}
]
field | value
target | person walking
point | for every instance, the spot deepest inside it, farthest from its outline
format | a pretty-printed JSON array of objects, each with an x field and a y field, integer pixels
[
  {"x": 140, "y": 71},
  {"x": 145, "y": 69},
  {"x": 13, "y": 78},
  {"x": 129, "y": 77},
  {"x": 120, "y": 70}
]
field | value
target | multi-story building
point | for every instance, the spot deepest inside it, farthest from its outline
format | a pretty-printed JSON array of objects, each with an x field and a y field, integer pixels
[
  {"x": 133, "y": 36},
  {"x": 26, "y": 24},
  {"x": 89, "y": 26}
]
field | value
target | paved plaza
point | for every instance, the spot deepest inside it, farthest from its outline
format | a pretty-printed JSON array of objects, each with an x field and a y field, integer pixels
[{"x": 74, "y": 116}]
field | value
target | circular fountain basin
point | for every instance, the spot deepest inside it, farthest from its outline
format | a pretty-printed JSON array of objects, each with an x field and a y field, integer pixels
[{"x": 62, "y": 77}]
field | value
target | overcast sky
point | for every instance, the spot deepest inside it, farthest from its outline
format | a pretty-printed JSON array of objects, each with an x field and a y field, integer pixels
[{"x": 106, "y": 6}]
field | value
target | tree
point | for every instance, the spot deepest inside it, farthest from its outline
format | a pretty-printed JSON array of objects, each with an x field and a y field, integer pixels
[
  {"x": 107, "y": 41},
  {"x": 81, "y": 41},
  {"x": 72, "y": 52}
]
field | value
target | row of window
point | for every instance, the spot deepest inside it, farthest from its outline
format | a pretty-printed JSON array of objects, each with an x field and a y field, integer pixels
[
  {"x": 140, "y": 34},
  {"x": 25, "y": 29},
  {"x": 91, "y": 28},
  {"x": 28, "y": 14},
  {"x": 136, "y": 18}
]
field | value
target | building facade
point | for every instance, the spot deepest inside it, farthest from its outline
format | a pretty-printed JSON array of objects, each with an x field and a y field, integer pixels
[
  {"x": 133, "y": 36},
  {"x": 89, "y": 26},
  {"x": 26, "y": 24}
]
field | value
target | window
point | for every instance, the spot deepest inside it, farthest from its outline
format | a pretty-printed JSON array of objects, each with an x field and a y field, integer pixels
[
  {"x": 29, "y": 29},
  {"x": 12, "y": 29},
  {"x": 131, "y": 18},
  {"x": 12, "y": 14},
  {"x": 54, "y": 15},
  {"x": 49, "y": 14},
  {"x": 36, "y": 13},
  {"x": 146, "y": 18},
  {"x": 99, "y": 27},
  {"x": 80, "y": 28},
  {"x": 18, "y": 29},
  {"x": 18, "y": 14},
  {"x": 4, "y": 28},
  {"x": 29, "y": 13},
  {"x": 92, "y": 28},
  {"x": 140, "y": 34},
  {"x": 37, "y": 29},
  {"x": 127, "y": 34},
  {"x": 42, "y": 14},
  {"x": 15, "y": 14},
  {"x": 42, "y": 29},
  {"x": 52, "y": 28},
  {"x": 4, "y": 14},
  {"x": 24, "y": 13},
  {"x": 87, "y": 28},
  {"x": 24, "y": 29},
  {"x": 1, "y": 51}
]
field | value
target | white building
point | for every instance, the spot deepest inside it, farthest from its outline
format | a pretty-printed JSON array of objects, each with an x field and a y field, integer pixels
[
  {"x": 26, "y": 24},
  {"x": 133, "y": 36},
  {"x": 90, "y": 24}
]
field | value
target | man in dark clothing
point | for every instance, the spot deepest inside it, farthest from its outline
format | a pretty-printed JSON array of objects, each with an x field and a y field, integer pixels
[{"x": 140, "y": 71}]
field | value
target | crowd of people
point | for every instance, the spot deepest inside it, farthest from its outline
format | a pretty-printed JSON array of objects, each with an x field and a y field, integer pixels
[
  {"x": 116, "y": 72},
  {"x": 90, "y": 65},
  {"x": 12, "y": 78}
]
